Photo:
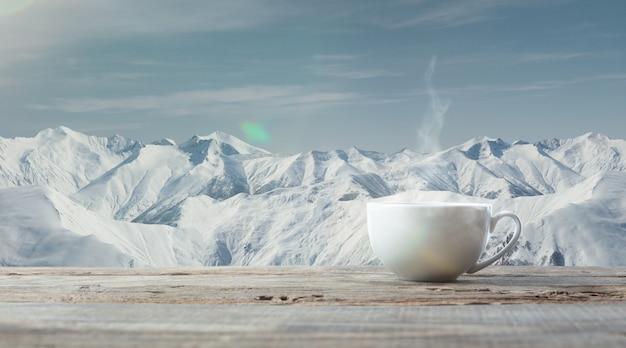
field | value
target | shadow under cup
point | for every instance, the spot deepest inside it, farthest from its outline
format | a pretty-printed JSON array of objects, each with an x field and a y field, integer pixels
[{"x": 433, "y": 241}]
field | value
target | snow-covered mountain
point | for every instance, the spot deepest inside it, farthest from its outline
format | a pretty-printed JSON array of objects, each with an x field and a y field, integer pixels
[{"x": 68, "y": 199}]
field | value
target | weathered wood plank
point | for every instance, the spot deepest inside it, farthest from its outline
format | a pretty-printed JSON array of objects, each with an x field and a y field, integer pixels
[
  {"x": 311, "y": 306},
  {"x": 310, "y": 285},
  {"x": 123, "y": 325}
]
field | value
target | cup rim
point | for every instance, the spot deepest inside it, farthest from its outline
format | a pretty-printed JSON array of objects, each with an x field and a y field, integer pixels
[{"x": 432, "y": 204}]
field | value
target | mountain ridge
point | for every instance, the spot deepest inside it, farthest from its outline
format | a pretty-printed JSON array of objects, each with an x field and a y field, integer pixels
[{"x": 229, "y": 203}]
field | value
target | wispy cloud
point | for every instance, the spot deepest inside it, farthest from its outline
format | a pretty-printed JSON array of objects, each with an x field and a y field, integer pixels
[
  {"x": 125, "y": 76},
  {"x": 335, "y": 57},
  {"x": 355, "y": 74},
  {"x": 346, "y": 66},
  {"x": 515, "y": 58},
  {"x": 542, "y": 85},
  {"x": 446, "y": 14},
  {"x": 45, "y": 25},
  {"x": 549, "y": 57},
  {"x": 93, "y": 79},
  {"x": 198, "y": 101},
  {"x": 612, "y": 77}
]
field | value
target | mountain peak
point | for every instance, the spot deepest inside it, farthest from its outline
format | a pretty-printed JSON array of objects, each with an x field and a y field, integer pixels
[
  {"x": 64, "y": 130},
  {"x": 222, "y": 136},
  {"x": 217, "y": 200},
  {"x": 593, "y": 136},
  {"x": 483, "y": 147},
  {"x": 554, "y": 143},
  {"x": 228, "y": 144},
  {"x": 164, "y": 142},
  {"x": 60, "y": 131}
]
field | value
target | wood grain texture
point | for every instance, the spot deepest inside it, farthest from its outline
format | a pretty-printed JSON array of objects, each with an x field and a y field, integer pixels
[
  {"x": 123, "y": 325},
  {"x": 311, "y": 306},
  {"x": 310, "y": 286}
]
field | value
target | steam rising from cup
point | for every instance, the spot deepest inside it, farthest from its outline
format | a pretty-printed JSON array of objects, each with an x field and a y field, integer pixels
[{"x": 432, "y": 123}]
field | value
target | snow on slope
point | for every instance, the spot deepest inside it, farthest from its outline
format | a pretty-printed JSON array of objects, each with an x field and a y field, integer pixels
[
  {"x": 215, "y": 200},
  {"x": 60, "y": 158},
  {"x": 584, "y": 226},
  {"x": 149, "y": 185},
  {"x": 41, "y": 227}
]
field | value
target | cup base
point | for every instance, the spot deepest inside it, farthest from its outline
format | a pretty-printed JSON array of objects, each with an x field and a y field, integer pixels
[{"x": 430, "y": 279}]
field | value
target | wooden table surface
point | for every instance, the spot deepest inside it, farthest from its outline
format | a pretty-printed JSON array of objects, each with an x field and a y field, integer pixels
[{"x": 515, "y": 306}]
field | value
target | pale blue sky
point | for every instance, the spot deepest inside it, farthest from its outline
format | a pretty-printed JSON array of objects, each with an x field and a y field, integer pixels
[{"x": 314, "y": 75}]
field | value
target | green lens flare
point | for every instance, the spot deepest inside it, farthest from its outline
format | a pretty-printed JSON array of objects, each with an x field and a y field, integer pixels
[
  {"x": 255, "y": 132},
  {"x": 10, "y": 7}
]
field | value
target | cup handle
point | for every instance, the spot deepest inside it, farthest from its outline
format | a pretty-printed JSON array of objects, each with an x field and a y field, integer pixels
[{"x": 494, "y": 220}]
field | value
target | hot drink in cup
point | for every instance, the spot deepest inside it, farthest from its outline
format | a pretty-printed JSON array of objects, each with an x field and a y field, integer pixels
[{"x": 434, "y": 241}]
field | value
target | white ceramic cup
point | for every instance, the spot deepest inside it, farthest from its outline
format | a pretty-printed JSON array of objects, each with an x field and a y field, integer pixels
[{"x": 434, "y": 241}]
